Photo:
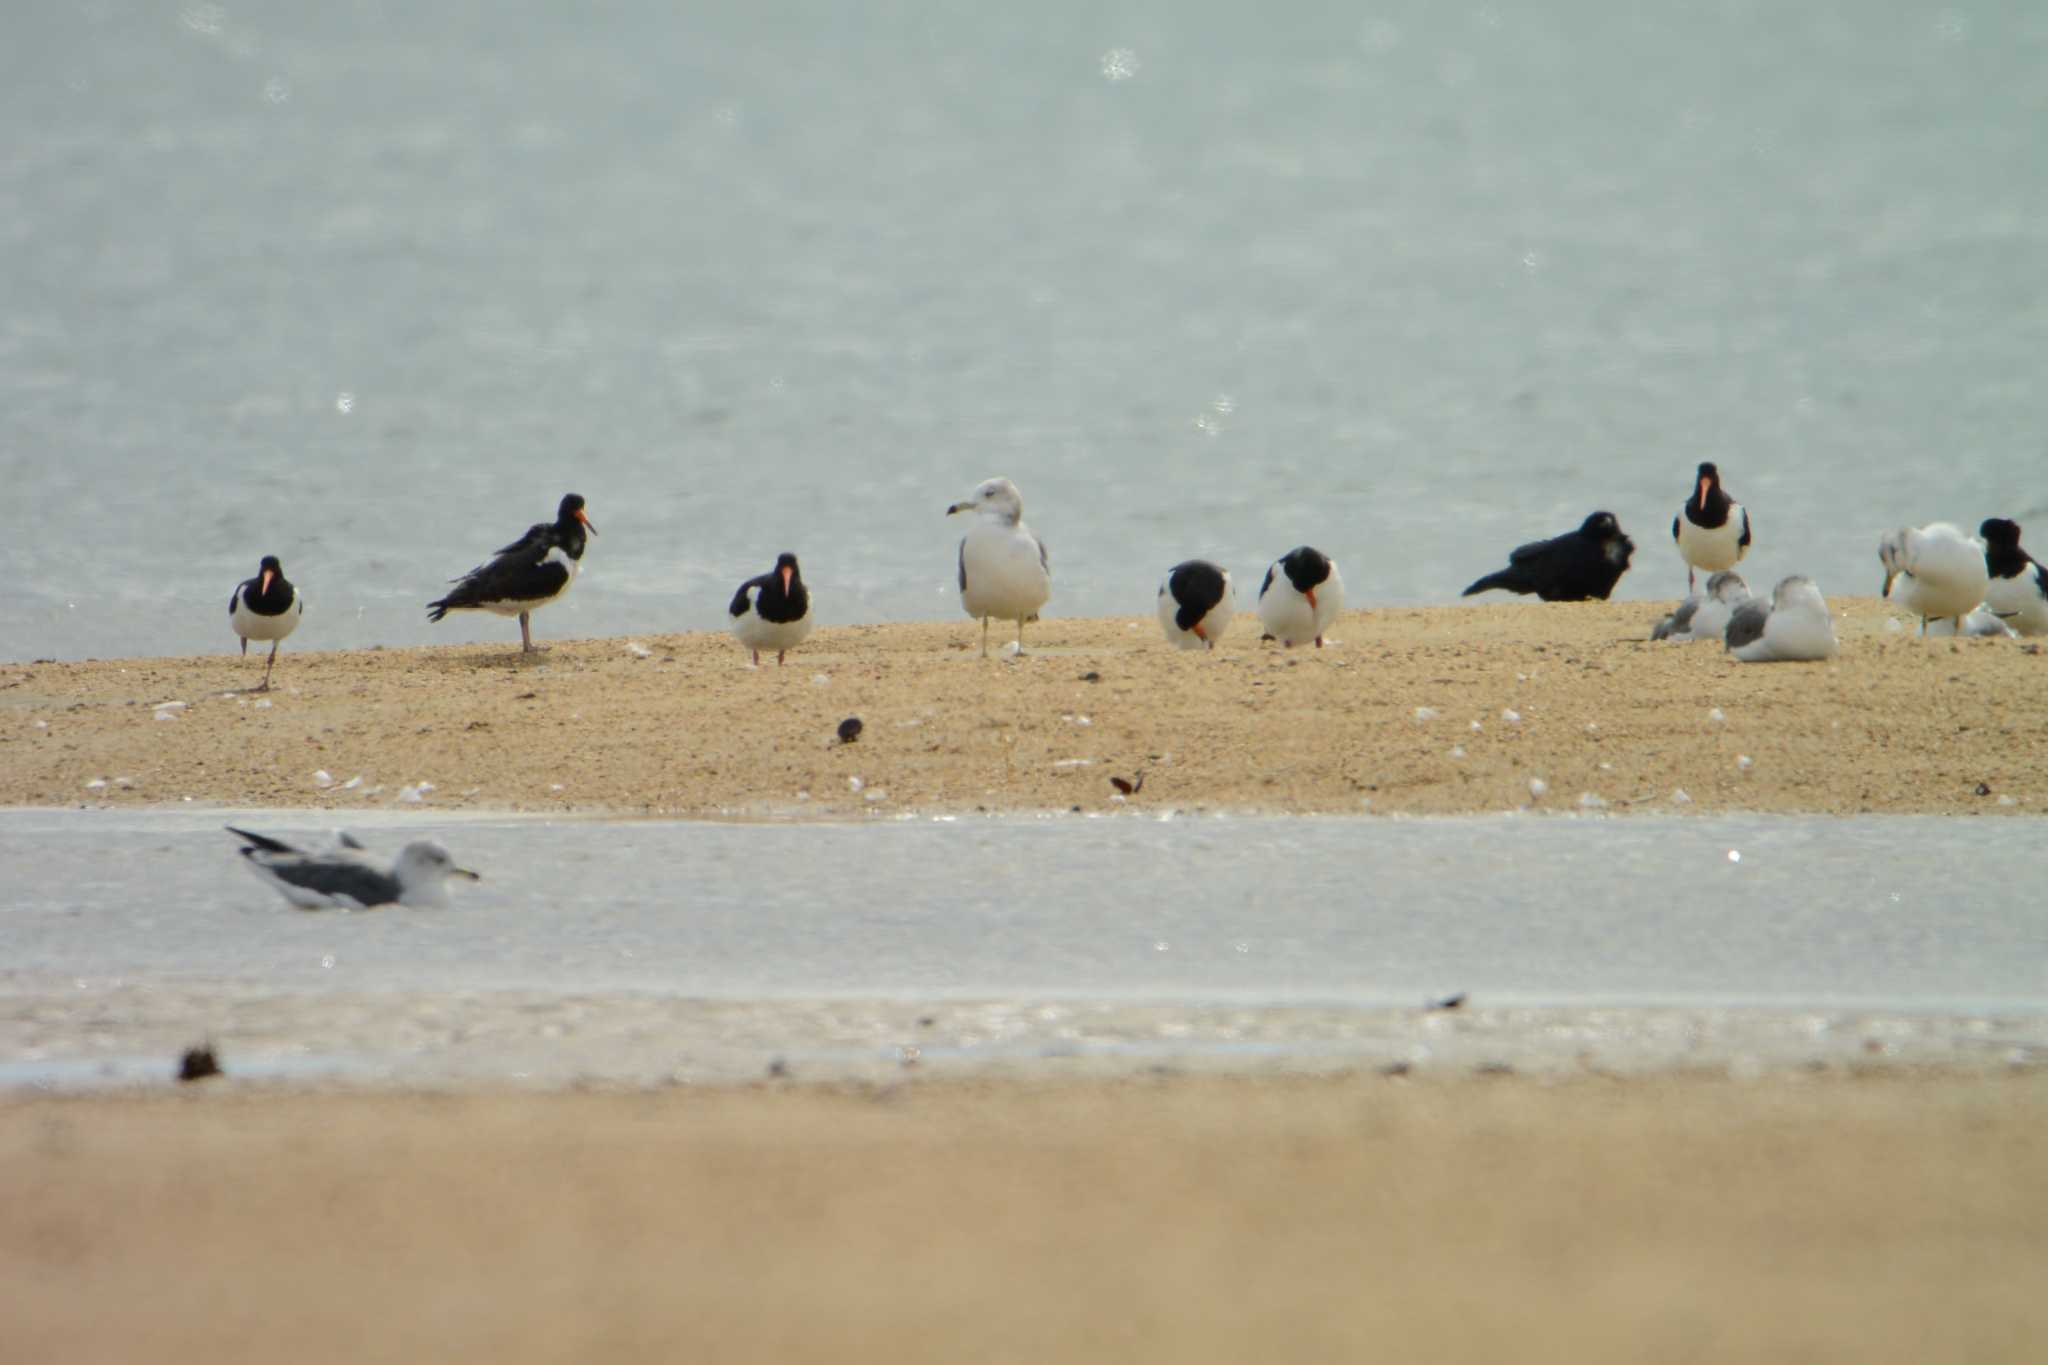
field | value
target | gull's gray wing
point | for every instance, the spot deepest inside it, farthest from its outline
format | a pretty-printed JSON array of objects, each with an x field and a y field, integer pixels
[
  {"x": 1747, "y": 624},
  {"x": 260, "y": 841},
  {"x": 333, "y": 877}
]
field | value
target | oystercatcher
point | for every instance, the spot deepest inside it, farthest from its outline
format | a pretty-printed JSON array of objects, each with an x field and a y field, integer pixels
[
  {"x": 1301, "y": 595},
  {"x": 1712, "y": 529},
  {"x": 527, "y": 574},
  {"x": 1573, "y": 567},
  {"x": 266, "y": 607},
  {"x": 1196, "y": 602},
  {"x": 772, "y": 611}
]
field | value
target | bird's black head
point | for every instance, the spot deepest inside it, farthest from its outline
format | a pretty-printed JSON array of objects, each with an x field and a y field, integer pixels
[
  {"x": 786, "y": 560},
  {"x": 1600, "y": 526},
  {"x": 2000, "y": 532},
  {"x": 1306, "y": 567},
  {"x": 269, "y": 565},
  {"x": 571, "y": 511},
  {"x": 1709, "y": 474},
  {"x": 786, "y": 570}
]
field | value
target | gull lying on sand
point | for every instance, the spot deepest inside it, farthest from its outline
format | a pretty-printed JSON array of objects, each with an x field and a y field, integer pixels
[
  {"x": 1704, "y": 616},
  {"x": 1794, "y": 625}
]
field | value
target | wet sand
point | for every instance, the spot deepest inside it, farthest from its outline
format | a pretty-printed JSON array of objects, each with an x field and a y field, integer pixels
[
  {"x": 1383, "y": 721},
  {"x": 1832, "y": 1217}
]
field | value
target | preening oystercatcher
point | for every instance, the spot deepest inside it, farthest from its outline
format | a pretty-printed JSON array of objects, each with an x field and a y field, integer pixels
[
  {"x": 266, "y": 607},
  {"x": 772, "y": 611},
  {"x": 1301, "y": 595},
  {"x": 1573, "y": 567},
  {"x": 1005, "y": 573},
  {"x": 527, "y": 574},
  {"x": 1196, "y": 602},
  {"x": 1712, "y": 529}
]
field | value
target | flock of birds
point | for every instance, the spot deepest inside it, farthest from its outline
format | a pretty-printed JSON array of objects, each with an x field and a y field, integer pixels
[{"x": 1969, "y": 585}]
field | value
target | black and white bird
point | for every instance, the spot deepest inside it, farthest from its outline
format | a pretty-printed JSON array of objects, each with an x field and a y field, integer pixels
[
  {"x": 1301, "y": 595},
  {"x": 772, "y": 611},
  {"x": 1573, "y": 567},
  {"x": 345, "y": 878},
  {"x": 527, "y": 574},
  {"x": 1704, "y": 615},
  {"x": 1939, "y": 572},
  {"x": 1794, "y": 625},
  {"x": 1196, "y": 602},
  {"x": 2018, "y": 591},
  {"x": 1005, "y": 573},
  {"x": 266, "y": 607},
  {"x": 1712, "y": 529}
]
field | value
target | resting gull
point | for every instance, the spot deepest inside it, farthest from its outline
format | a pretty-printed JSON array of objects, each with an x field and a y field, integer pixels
[
  {"x": 344, "y": 878},
  {"x": 1794, "y": 626},
  {"x": 1704, "y": 615}
]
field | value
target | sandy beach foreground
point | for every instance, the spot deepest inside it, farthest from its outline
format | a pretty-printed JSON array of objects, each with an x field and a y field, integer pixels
[
  {"x": 1834, "y": 1217},
  {"x": 1438, "y": 710}
]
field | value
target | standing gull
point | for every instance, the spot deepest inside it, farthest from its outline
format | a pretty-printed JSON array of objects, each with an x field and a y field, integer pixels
[
  {"x": 344, "y": 879},
  {"x": 1794, "y": 626},
  {"x": 1004, "y": 571},
  {"x": 1704, "y": 616},
  {"x": 1196, "y": 603},
  {"x": 2018, "y": 591},
  {"x": 772, "y": 611},
  {"x": 527, "y": 574},
  {"x": 1712, "y": 529},
  {"x": 1302, "y": 594},
  {"x": 1941, "y": 574},
  {"x": 1573, "y": 567},
  {"x": 266, "y": 607}
]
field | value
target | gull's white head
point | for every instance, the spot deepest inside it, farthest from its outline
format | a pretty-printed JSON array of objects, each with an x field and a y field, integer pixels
[
  {"x": 996, "y": 498},
  {"x": 1894, "y": 552},
  {"x": 1728, "y": 586},
  {"x": 424, "y": 865},
  {"x": 1798, "y": 593}
]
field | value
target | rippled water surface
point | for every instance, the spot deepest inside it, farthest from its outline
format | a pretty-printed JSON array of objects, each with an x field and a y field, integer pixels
[
  {"x": 641, "y": 950},
  {"x": 369, "y": 286}
]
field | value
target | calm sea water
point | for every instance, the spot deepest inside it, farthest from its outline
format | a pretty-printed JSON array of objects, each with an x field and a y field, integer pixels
[
  {"x": 371, "y": 285},
  {"x": 648, "y": 950}
]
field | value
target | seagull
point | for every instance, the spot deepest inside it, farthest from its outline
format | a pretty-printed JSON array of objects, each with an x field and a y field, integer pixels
[
  {"x": 1196, "y": 603},
  {"x": 2018, "y": 591},
  {"x": 266, "y": 607},
  {"x": 772, "y": 611},
  {"x": 1981, "y": 622},
  {"x": 1793, "y": 626},
  {"x": 1573, "y": 567},
  {"x": 1704, "y": 616},
  {"x": 527, "y": 574},
  {"x": 1302, "y": 594},
  {"x": 1940, "y": 572},
  {"x": 345, "y": 879},
  {"x": 1712, "y": 529},
  {"x": 1004, "y": 570}
]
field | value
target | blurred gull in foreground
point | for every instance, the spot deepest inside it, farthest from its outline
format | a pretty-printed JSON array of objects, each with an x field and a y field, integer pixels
[{"x": 344, "y": 878}]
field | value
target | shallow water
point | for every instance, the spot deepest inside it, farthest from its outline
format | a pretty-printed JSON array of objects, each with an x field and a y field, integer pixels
[
  {"x": 369, "y": 287},
  {"x": 642, "y": 951}
]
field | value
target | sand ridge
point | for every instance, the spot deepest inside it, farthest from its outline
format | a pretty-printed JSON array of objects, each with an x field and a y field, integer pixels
[{"x": 1426, "y": 711}]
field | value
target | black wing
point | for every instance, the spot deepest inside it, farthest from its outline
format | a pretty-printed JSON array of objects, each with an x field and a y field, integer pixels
[
  {"x": 262, "y": 841},
  {"x": 1744, "y": 542},
  {"x": 739, "y": 599},
  {"x": 1538, "y": 549},
  {"x": 1747, "y": 624},
  {"x": 364, "y": 885},
  {"x": 522, "y": 572},
  {"x": 1268, "y": 581}
]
